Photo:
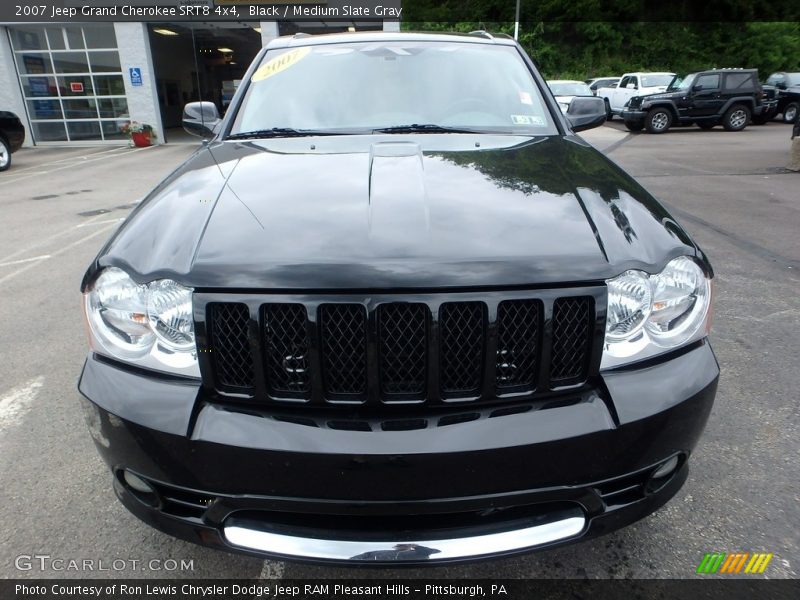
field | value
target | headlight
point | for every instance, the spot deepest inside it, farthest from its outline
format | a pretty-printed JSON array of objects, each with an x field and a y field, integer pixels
[
  {"x": 651, "y": 314},
  {"x": 150, "y": 326},
  {"x": 629, "y": 305},
  {"x": 169, "y": 308}
]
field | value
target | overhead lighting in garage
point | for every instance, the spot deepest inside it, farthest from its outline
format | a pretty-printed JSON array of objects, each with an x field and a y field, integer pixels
[
  {"x": 162, "y": 31},
  {"x": 225, "y": 50}
]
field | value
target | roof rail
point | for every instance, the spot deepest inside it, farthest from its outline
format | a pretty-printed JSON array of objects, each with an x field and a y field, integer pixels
[
  {"x": 301, "y": 34},
  {"x": 504, "y": 35},
  {"x": 482, "y": 33}
]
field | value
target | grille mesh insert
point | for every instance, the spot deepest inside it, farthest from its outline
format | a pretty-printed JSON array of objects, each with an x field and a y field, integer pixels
[
  {"x": 403, "y": 348},
  {"x": 518, "y": 329},
  {"x": 286, "y": 344},
  {"x": 463, "y": 333},
  {"x": 230, "y": 345},
  {"x": 571, "y": 342},
  {"x": 344, "y": 351}
]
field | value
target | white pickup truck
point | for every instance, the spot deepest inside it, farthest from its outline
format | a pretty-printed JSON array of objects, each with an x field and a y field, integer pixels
[{"x": 632, "y": 84}]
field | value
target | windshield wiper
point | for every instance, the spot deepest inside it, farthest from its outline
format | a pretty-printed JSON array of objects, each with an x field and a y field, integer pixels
[
  {"x": 279, "y": 132},
  {"x": 424, "y": 128}
]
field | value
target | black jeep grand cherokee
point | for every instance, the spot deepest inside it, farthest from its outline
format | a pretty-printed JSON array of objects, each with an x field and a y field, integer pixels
[{"x": 395, "y": 310}]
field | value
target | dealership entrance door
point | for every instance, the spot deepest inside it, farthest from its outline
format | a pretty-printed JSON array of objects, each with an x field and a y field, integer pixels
[{"x": 199, "y": 61}]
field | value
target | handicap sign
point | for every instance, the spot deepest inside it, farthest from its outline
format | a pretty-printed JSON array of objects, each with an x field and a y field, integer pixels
[{"x": 136, "y": 75}]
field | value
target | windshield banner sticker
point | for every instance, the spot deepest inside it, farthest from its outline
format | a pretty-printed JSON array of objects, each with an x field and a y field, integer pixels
[{"x": 279, "y": 63}]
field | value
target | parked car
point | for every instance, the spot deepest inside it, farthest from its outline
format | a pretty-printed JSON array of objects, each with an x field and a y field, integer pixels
[
  {"x": 12, "y": 136},
  {"x": 727, "y": 97},
  {"x": 424, "y": 322},
  {"x": 788, "y": 104},
  {"x": 565, "y": 90},
  {"x": 599, "y": 82},
  {"x": 788, "y": 85},
  {"x": 630, "y": 85},
  {"x": 770, "y": 97},
  {"x": 788, "y": 94}
]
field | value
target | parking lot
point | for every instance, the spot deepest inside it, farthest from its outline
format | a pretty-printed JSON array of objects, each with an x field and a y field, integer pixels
[{"x": 730, "y": 190}]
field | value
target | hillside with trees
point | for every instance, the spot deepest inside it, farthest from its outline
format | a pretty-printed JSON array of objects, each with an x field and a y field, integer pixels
[{"x": 582, "y": 47}]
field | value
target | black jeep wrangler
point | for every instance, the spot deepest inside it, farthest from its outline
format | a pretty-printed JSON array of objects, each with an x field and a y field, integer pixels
[{"x": 727, "y": 97}]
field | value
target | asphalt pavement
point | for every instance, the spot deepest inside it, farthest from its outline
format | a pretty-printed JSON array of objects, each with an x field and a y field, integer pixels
[{"x": 730, "y": 190}]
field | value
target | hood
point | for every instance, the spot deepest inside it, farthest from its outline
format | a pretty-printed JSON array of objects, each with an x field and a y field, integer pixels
[
  {"x": 638, "y": 100},
  {"x": 388, "y": 212}
]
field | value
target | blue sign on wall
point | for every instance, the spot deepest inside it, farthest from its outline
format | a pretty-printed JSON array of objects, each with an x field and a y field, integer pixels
[{"x": 136, "y": 75}]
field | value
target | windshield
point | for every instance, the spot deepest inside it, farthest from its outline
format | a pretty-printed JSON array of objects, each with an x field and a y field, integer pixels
[
  {"x": 679, "y": 83},
  {"x": 570, "y": 88},
  {"x": 656, "y": 80},
  {"x": 793, "y": 79},
  {"x": 363, "y": 86}
]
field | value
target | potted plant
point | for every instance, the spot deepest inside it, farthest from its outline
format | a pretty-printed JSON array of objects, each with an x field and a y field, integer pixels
[{"x": 141, "y": 134}]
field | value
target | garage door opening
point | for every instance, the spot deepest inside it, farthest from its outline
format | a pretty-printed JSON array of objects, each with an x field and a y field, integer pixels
[{"x": 199, "y": 61}]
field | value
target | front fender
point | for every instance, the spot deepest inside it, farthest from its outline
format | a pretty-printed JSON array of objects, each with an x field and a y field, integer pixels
[{"x": 646, "y": 106}]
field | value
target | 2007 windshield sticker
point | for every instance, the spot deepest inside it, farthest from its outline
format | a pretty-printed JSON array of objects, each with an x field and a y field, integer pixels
[
  {"x": 528, "y": 120},
  {"x": 279, "y": 63}
]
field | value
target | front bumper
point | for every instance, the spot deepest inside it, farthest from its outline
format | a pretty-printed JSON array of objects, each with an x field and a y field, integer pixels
[
  {"x": 633, "y": 116},
  {"x": 510, "y": 480}
]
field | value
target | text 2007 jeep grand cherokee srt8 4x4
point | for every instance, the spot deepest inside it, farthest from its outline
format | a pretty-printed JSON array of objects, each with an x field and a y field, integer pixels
[{"x": 395, "y": 310}]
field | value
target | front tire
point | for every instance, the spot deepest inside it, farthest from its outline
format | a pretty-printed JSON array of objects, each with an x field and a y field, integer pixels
[
  {"x": 658, "y": 120},
  {"x": 5, "y": 155},
  {"x": 736, "y": 118},
  {"x": 790, "y": 112},
  {"x": 634, "y": 126},
  {"x": 609, "y": 114}
]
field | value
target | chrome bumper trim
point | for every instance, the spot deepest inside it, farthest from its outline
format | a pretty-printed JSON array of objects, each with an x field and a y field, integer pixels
[{"x": 406, "y": 550}]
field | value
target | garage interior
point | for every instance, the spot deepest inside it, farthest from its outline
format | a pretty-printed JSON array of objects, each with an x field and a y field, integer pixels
[{"x": 207, "y": 60}]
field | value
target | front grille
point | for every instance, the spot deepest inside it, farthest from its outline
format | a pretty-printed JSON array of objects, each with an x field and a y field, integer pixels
[{"x": 381, "y": 350}]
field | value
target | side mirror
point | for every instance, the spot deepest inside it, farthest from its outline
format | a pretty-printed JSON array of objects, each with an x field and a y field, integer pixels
[
  {"x": 631, "y": 86},
  {"x": 586, "y": 112},
  {"x": 697, "y": 88},
  {"x": 201, "y": 119}
]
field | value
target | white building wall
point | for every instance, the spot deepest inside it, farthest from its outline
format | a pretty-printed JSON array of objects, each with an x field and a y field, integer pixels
[
  {"x": 269, "y": 31},
  {"x": 10, "y": 93},
  {"x": 134, "y": 51}
]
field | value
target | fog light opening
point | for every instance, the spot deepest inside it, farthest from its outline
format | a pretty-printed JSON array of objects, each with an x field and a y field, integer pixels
[
  {"x": 140, "y": 488},
  {"x": 662, "y": 474}
]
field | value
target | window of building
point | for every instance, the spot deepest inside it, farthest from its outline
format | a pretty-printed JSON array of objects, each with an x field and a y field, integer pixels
[{"x": 72, "y": 81}]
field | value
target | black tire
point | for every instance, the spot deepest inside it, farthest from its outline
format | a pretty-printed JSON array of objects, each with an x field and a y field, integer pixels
[
  {"x": 5, "y": 155},
  {"x": 790, "y": 112},
  {"x": 609, "y": 114},
  {"x": 634, "y": 126},
  {"x": 736, "y": 118},
  {"x": 658, "y": 120},
  {"x": 706, "y": 126}
]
